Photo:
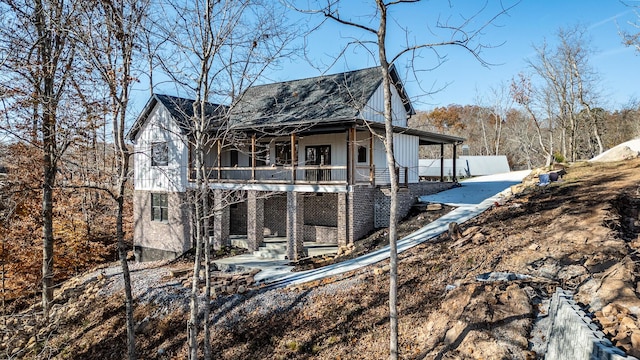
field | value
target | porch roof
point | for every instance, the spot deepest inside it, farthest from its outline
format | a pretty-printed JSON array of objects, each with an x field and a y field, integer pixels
[{"x": 334, "y": 125}]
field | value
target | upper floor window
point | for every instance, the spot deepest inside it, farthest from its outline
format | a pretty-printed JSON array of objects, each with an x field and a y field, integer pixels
[
  {"x": 283, "y": 153},
  {"x": 233, "y": 157},
  {"x": 159, "y": 207},
  {"x": 261, "y": 154},
  {"x": 159, "y": 154}
]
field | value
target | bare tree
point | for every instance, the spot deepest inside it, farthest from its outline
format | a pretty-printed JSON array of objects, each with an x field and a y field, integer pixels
[
  {"x": 523, "y": 94},
  {"x": 40, "y": 55},
  {"x": 568, "y": 86},
  {"x": 111, "y": 38},
  {"x": 500, "y": 102},
  {"x": 459, "y": 35},
  {"x": 631, "y": 37},
  {"x": 216, "y": 50}
]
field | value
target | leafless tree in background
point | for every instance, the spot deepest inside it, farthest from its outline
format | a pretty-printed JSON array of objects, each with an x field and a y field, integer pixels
[
  {"x": 568, "y": 85},
  {"x": 39, "y": 60},
  {"x": 111, "y": 38}
]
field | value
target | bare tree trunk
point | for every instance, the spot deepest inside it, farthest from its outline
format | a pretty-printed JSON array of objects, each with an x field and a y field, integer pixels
[
  {"x": 207, "y": 267},
  {"x": 48, "y": 128},
  {"x": 391, "y": 166},
  {"x": 192, "y": 324},
  {"x": 126, "y": 276},
  {"x": 122, "y": 154},
  {"x": 485, "y": 141}
]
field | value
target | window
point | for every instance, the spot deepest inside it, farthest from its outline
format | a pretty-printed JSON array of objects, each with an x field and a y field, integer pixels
[
  {"x": 362, "y": 154},
  {"x": 283, "y": 153},
  {"x": 159, "y": 154},
  {"x": 233, "y": 157},
  {"x": 262, "y": 155},
  {"x": 159, "y": 207},
  {"x": 318, "y": 155}
]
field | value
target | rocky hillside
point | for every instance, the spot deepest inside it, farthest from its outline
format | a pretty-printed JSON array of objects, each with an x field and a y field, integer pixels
[{"x": 580, "y": 234}]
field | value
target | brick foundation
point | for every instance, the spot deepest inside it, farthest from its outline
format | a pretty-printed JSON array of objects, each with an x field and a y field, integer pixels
[
  {"x": 295, "y": 225},
  {"x": 238, "y": 219},
  {"x": 159, "y": 240},
  {"x": 255, "y": 220},
  {"x": 361, "y": 207},
  {"x": 220, "y": 223},
  {"x": 275, "y": 216}
]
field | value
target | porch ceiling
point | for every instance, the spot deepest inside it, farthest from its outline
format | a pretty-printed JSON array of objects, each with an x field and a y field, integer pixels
[{"x": 334, "y": 125}]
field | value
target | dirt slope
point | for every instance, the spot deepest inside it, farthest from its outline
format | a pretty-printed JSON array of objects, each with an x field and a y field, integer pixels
[{"x": 581, "y": 234}]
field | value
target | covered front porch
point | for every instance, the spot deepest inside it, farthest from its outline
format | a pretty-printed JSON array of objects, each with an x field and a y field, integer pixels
[{"x": 347, "y": 153}]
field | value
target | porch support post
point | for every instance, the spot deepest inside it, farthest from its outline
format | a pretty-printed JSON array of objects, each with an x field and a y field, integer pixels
[
  {"x": 219, "y": 159},
  {"x": 294, "y": 158},
  {"x": 344, "y": 228},
  {"x": 295, "y": 225},
  {"x": 190, "y": 161},
  {"x": 351, "y": 139},
  {"x": 455, "y": 179},
  {"x": 253, "y": 156},
  {"x": 220, "y": 220},
  {"x": 442, "y": 162},
  {"x": 255, "y": 220},
  {"x": 372, "y": 173}
]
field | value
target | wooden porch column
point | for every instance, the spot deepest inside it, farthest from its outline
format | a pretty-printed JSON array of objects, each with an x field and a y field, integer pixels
[
  {"x": 351, "y": 138},
  {"x": 442, "y": 162},
  {"x": 219, "y": 159},
  {"x": 191, "y": 165},
  {"x": 454, "y": 163},
  {"x": 294, "y": 158},
  {"x": 372, "y": 173},
  {"x": 253, "y": 156}
]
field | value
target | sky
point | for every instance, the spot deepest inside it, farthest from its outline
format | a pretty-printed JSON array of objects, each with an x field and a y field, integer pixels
[
  {"x": 510, "y": 38},
  {"x": 507, "y": 43}
]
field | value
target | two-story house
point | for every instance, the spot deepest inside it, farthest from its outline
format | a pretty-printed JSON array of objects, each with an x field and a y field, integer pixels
[{"x": 303, "y": 159}]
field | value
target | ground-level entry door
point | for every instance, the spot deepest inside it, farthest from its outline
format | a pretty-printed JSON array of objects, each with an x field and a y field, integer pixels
[{"x": 316, "y": 157}]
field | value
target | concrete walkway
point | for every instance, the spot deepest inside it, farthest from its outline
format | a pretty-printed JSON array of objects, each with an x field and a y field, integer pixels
[{"x": 471, "y": 199}]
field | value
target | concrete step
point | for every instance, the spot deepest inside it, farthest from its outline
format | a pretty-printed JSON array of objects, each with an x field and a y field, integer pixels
[
  {"x": 239, "y": 243},
  {"x": 276, "y": 248},
  {"x": 272, "y": 250},
  {"x": 265, "y": 254}
]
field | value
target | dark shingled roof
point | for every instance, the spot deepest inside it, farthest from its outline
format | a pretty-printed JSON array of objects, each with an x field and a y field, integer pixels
[
  {"x": 181, "y": 110},
  {"x": 321, "y": 103},
  {"x": 312, "y": 100}
]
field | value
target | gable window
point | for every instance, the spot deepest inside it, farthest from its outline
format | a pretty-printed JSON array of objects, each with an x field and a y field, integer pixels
[
  {"x": 362, "y": 154},
  {"x": 159, "y": 207},
  {"x": 159, "y": 154}
]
